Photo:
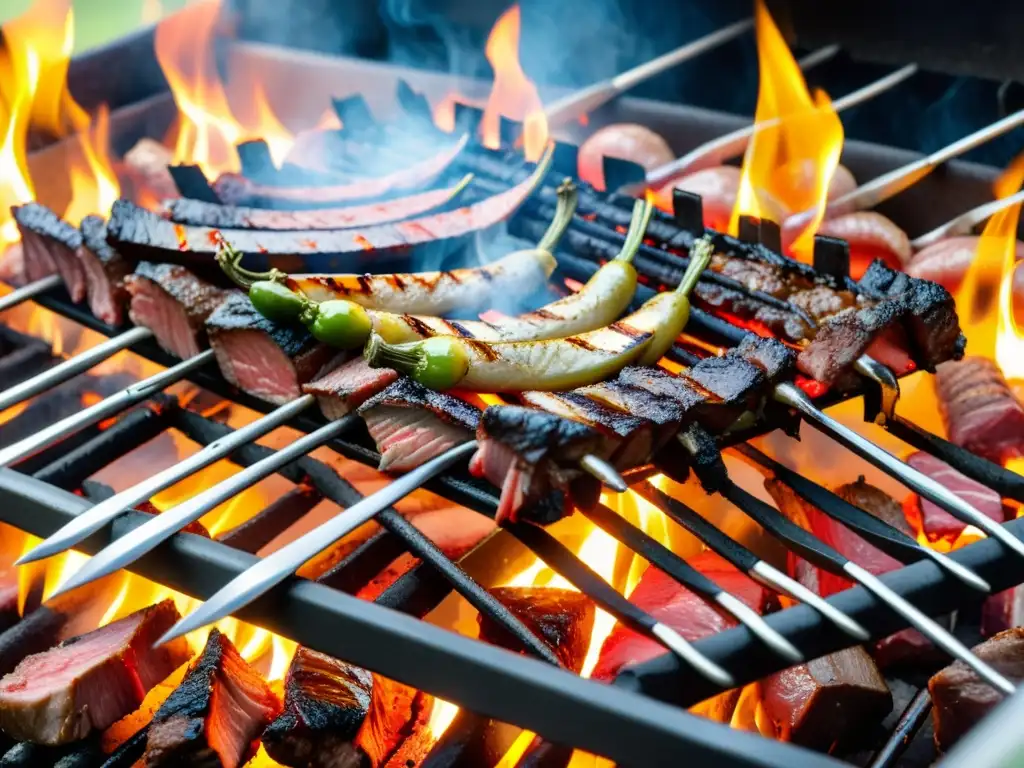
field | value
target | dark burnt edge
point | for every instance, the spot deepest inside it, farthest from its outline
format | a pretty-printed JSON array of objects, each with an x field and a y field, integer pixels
[
  {"x": 509, "y": 687},
  {"x": 910, "y": 722}
]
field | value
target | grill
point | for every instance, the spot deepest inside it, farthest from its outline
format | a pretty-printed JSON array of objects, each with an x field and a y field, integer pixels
[{"x": 638, "y": 719}]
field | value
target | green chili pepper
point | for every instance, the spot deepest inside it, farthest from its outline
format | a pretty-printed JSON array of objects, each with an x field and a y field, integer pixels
[
  {"x": 439, "y": 362},
  {"x": 276, "y": 302},
  {"x": 339, "y": 323}
]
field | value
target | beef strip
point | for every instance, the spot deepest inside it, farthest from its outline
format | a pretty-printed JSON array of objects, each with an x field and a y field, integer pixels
[
  {"x": 935, "y": 522},
  {"x": 562, "y": 618},
  {"x": 89, "y": 682},
  {"x": 174, "y": 304},
  {"x": 343, "y": 389},
  {"x": 961, "y": 699},
  {"x": 412, "y": 424},
  {"x": 979, "y": 409},
  {"x": 663, "y": 412},
  {"x": 105, "y": 270},
  {"x": 265, "y": 359},
  {"x": 214, "y": 718},
  {"x": 50, "y": 247}
]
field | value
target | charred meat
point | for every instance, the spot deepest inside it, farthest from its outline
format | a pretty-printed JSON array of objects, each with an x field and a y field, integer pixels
[
  {"x": 105, "y": 271},
  {"x": 980, "y": 410},
  {"x": 87, "y": 683},
  {"x": 215, "y": 717},
  {"x": 343, "y": 389},
  {"x": 50, "y": 247}
]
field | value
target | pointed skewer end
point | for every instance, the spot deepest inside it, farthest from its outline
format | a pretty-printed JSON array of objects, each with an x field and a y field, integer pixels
[
  {"x": 178, "y": 630},
  {"x": 604, "y": 472},
  {"x": 966, "y": 575},
  {"x": 678, "y": 645}
]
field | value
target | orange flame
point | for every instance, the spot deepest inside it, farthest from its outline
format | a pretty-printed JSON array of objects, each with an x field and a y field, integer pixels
[
  {"x": 94, "y": 185},
  {"x": 513, "y": 94},
  {"x": 790, "y": 160}
]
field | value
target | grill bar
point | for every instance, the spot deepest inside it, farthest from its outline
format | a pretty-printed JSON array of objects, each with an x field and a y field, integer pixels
[{"x": 30, "y": 291}]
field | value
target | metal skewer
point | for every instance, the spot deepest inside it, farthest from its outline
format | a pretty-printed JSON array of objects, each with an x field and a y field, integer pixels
[
  {"x": 104, "y": 409},
  {"x": 71, "y": 367},
  {"x": 95, "y": 518},
  {"x": 965, "y": 223},
  {"x": 747, "y": 561},
  {"x": 586, "y": 100},
  {"x": 30, "y": 291},
  {"x": 733, "y": 144},
  {"x": 917, "y": 481},
  {"x": 605, "y": 473},
  {"x": 889, "y": 385}
]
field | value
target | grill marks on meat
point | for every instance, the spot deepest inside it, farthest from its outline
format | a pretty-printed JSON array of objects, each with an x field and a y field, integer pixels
[
  {"x": 50, "y": 247},
  {"x": 105, "y": 271},
  {"x": 562, "y": 618},
  {"x": 89, "y": 682},
  {"x": 980, "y": 410},
  {"x": 412, "y": 424},
  {"x": 937, "y": 523},
  {"x": 961, "y": 699},
  {"x": 343, "y": 389},
  {"x": 174, "y": 304},
  {"x": 216, "y": 715},
  {"x": 263, "y": 358}
]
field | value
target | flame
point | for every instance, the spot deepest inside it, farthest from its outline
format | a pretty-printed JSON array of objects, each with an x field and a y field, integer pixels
[
  {"x": 791, "y": 158},
  {"x": 513, "y": 95},
  {"x": 94, "y": 186}
]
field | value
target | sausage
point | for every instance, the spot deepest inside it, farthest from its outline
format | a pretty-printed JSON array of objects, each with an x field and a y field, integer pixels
[
  {"x": 870, "y": 235},
  {"x": 946, "y": 263},
  {"x": 627, "y": 141}
]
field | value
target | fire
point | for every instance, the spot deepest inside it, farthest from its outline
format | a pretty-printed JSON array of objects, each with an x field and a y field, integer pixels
[
  {"x": 790, "y": 160},
  {"x": 94, "y": 187}
]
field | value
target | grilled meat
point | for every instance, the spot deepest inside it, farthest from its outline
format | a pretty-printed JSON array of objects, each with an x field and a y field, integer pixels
[
  {"x": 980, "y": 410},
  {"x": 935, "y": 522},
  {"x": 105, "y": 271},
  {"x": 412, "y": 424},
  {"x": 563, "y": 618},
  {"x": 174, "y": 304},
  {"x": 664, "y": 413},
  {"x": 50, "y": 247},
  {"x": 707, "y": 408},
  {"x": 343, "y": 389},
  {"x": 961, "y": 699},
  {"x": 1003, "y": 610},
  {"x": 262, "y": 358},
  {"x": 215, "y": 717},
  {"x": 87, "y": 683}
]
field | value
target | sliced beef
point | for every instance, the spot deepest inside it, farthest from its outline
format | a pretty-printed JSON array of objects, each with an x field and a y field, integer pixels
[
  {"x": 843, "y": 338},
  {"x": 532, "y": 456},
  {"x": 215, "y": 717},
  {"x": 50, "y": 247},
  {"x": 664, "y": 413},
  {"x": 935, "y": 522},
  {"x": 87, "y": 683},
  {"x": 961, "y": 699},
  {"x": 562, "y": 618},
  {"x": 343, "y": 389},
  {"x": 980, "y": 410},
  {"x": 818, "y": 703},
  {"x": 770, "y": 355},
  {"x": 672, "y": 604},
  {"x": 105, "y": 271},
  {"x": 174, "y": 304},
  {"x": 412, "y": 424},
  {"x": 702, "y": 405},
  {"x": 1003, "y": 610},
  {"x": 263, "y": 358}
]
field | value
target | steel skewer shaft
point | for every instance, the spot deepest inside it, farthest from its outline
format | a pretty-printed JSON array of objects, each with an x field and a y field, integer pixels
[
  {"x": 71, "y": 367},
  {"x": 124, "y": 551},
  {"x": 965, "y": 223},
  {"x": 889, "y": 385},
  {"x": 605, "y": 473},
  {"x": 30, "y": 291},
  {"x": 95, "y": 518},
  {"x": 914, "y": 479},
  {"x": 106, "y": 408}
]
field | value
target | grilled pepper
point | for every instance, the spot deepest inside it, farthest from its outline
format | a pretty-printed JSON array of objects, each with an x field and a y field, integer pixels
[{"x": 551, "y": 365}]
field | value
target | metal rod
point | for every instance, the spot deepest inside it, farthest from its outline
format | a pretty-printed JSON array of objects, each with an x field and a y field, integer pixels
[
  {"x": 26, "y": 292},
  {"x": 279, "y": 565},
  {"x": 106, "y": 408},
  {"x": 917, "y": 481},
  {"x": 909, "y": 724},
  {"x": 604, "y": 472},
  {"x": 747, "y": 561},
  {"x": 71, "y": 367},
  {"x": 127, "y": 549},
  {"x": 965, "y": 223},
  {"x": 820, "y": 56},
  {"x": 888, "y": 384},
  {"x": 95, "y": 518},
  {"x": 579, "y": 103},
  {"x": 732, "y": 145}
]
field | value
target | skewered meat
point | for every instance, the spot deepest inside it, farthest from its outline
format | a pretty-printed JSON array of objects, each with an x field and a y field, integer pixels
[
  {"x": 979, "y": 409},
  {"x": 627, "y": 141},
  {"x": 174, "y": 304},
  {"x": 937, "y": 523},
  {"x": 946, "y": 263},
  {"x": 89, "y": 682},
  {"x": 217, "y": 713},
  {"x": 343, "y": 389},
  {"x": 145, "y": 170},
  {"x": 264, "y": 359},
  {"x": 562, "y": 618},
  {"x": 871, "y": 236},
  {"x": 1003, "y": 610},
  {"x": 960, "y": 699},
  {"x": 105, "y": 271},
  {"x": 50, "y": 245},
  {"x": 412, "y": 424}
]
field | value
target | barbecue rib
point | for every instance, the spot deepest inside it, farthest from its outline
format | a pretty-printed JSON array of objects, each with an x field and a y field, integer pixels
[
  {"x": 89, "y": 682},
  {"x": 105, "y": 271},
  {"x": 50, "y": 247}
]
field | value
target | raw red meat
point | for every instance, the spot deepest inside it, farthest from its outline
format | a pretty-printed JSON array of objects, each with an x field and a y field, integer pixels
[
  {"x": 936, "y": 523},
  {"x": 979, "y": 409}
]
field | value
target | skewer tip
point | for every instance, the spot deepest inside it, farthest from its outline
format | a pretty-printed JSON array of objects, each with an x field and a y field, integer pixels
[
  {"x": 966, "y": 575},
  {"x": 178, "y": 630},
  {"x": 604, "y": 472},
  {"x": 681, "y": 648}
]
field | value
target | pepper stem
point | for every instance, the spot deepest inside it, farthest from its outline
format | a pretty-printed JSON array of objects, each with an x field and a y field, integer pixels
[
  {"x": 568, "y": 197},
  {"x": 642, "y": 212},
  {"x": 700, "y": 257},
  {"x": 404, "y": 358},
  {"x": 230, "y": 260}
]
